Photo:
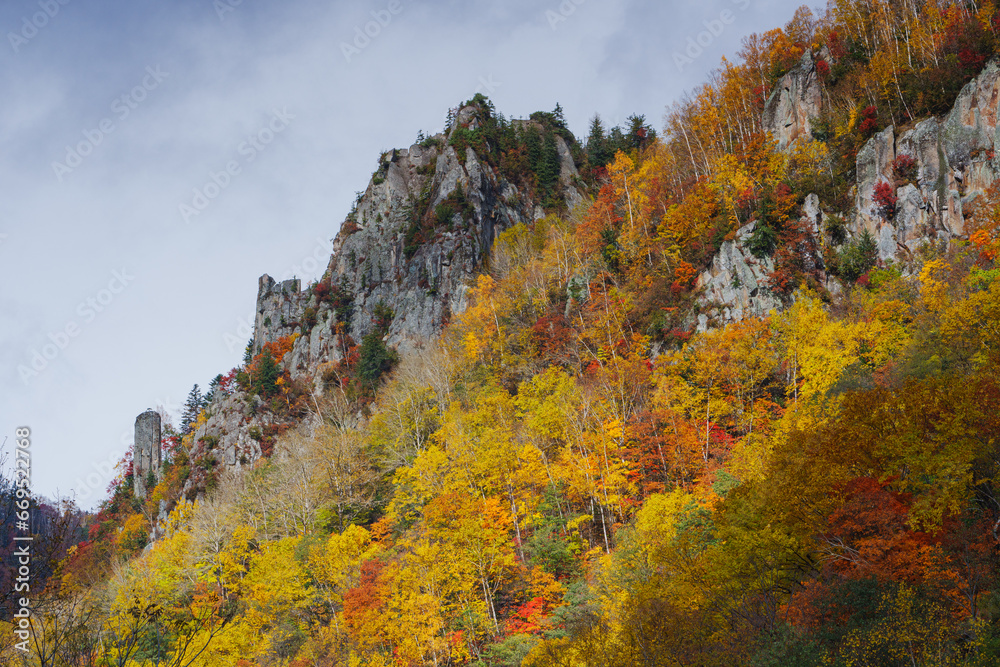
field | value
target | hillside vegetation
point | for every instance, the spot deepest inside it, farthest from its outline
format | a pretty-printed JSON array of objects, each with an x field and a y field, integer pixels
[{"x": 574, "y": 474}]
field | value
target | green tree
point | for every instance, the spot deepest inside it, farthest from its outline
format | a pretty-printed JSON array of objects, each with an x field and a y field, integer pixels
[
  {"x": 375, "y": 358},
  {"x": 598, "y": 151},
  {"x": 192, "y": 407},
  {"x": 858, "y": 257},
  {"x": 265, "y": 381}
]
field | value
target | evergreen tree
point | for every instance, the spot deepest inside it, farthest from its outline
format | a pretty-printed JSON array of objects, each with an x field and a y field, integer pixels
[
  {"x": 192, "y": 408},
  {"x": 859, "y": 257},
  {"x": 597, "y": 143},
  {"x": 548, "y": 169},
  {"x": 639, "y": 133},
  {"x": 213, "y": 389},
  {"x": 268, "y": 373},
  {"x": 374, "y": 358},
  {"x": 558, "y": 117}
]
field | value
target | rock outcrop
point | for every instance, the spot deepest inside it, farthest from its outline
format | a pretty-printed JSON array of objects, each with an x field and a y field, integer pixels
[
  {"x": 954, "y": 160},
  {"x": 279, "y": 309},
  {"x": 735, "y": 286},
  {"x": 147, "y": 451},
  {"x": 233, "y": 430},
  {"x": 418, "y": 234},
  {"x": 416, "y": 237},
  {"x": 794, "y": 103}
]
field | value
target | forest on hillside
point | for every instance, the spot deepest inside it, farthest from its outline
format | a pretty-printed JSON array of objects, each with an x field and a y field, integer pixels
[{"x": 574, "y": 475}]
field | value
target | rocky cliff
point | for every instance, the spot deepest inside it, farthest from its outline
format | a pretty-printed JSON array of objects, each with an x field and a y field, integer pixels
[
  {"x": 415, "y": 238},
  {"x": 933, "y": 171},
  {"x": 424, "y": 225},
  {"x": 418, "y": 234},
  {"x": 735, "y": 286},
  {"x": 953, "y": 163},
  {"x": 795, "y": 102}
]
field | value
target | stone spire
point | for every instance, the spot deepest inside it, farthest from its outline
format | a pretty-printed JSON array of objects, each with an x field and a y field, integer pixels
[{"x": 147, "y": 456}]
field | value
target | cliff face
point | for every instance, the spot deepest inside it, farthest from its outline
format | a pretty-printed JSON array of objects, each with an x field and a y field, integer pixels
[
  {"x": 794, "y": 103},
  {"x": 279, "y": 308},
  {"x": 735, "y": 286},
  {"x": 955, "y": 162},
  {"x": 416, "y": 237},
  {"x": 418, "y": 234},
  {"x": 424, "y": 225}
]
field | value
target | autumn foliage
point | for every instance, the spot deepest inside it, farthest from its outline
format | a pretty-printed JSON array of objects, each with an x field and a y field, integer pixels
[{"x": 582, "y": 472}]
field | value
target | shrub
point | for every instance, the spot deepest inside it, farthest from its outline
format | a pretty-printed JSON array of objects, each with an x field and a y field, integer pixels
[
  {"x": 905, "y": 168},
  {"x": 836, "y": 229},
  {"x": 322, "y": 290},
  {"x": 444, "y": 214},
  {"x": 383, "y": 316},
  {"x": 869, "y": 123},
  {"x": 858, "y": 257},
  {"x": 885, "y": 200},
  {"x": 763, "y": 241},
  {"x": 308, "y": 320},
  {"x": 868, "y": 127}
]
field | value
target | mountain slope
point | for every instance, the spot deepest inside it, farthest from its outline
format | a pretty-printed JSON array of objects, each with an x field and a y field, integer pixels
[{"x": 574, "y": 462}]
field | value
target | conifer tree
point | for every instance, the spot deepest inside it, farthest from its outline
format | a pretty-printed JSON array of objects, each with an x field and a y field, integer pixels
[
  {"x": 213, "y": 388},
  {"x": 192, "y": 407},
  {"x": 597, "y": 143}
]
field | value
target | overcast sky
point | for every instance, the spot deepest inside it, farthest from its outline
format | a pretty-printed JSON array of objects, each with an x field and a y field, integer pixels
[{"x": 128, "y": 274}]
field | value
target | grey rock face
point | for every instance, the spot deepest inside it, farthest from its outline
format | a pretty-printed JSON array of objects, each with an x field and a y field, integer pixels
[
  {"x": 735, "y": 287},
  {"x": 376, "y": 258},
  {"x": 812, "y": 214},
  {"x": 796, "y": 100},
  {"x": 971, "y": 127},
  {"x": 423, "y": 284},
  {"x": 147, "y": 453},
  {"x": 279, "y": 309},
  {"x": 227, "y": 431},
  {"x": 955, "y": 162}
]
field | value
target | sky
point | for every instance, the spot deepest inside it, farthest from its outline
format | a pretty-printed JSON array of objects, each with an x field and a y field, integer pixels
[{"x": 157, "y": 157}]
